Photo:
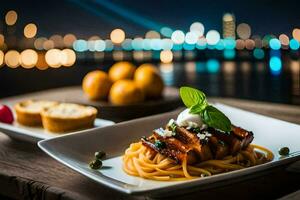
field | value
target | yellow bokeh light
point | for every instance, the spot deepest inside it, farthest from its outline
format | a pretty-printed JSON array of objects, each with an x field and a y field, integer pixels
[
  {"x": 29, "y": 58},
  {"x": 41, "y": 63},
  {"x": 152, "y": 35},
  {"x": 11, "y": 17},
  {"x": 30, "y": 30},
  {"x": 244, "y": 31},
  {"x": 49, "y": 44},
  {"x": 12, "y": 59},
  {"x": 1, "y": 39},
  {"x": 296, "y": 34},
  {"x": 1, "y": 58},
  {"x": 39, "y": 42},
  {"x": 68, "y": 57},
  {"x": 53, "y": 58},
  {"x": 117, "y": 36},
  {"x": 69, "y": 39},
  {"x": 166, "y": 56},
  {"x": 57, "y": 41}
]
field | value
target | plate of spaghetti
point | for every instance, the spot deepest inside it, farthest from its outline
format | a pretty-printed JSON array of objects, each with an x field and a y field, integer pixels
[{"x": 203, "y": 144}]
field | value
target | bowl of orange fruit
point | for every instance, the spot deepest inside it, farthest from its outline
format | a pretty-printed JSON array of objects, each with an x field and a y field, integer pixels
[{"x": 127, "y": 91}]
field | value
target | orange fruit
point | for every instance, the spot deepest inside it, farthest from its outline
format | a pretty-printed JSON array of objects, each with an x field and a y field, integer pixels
[
  {"x": 121, "y": 70},
  {"x": 125, "y": 92},
  {"x": 148, "y": 79},
  {"x": 96, "y": 85}
]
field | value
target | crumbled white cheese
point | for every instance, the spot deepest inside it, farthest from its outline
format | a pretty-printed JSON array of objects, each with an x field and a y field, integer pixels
[
  {"x": 164, "y": 133},
  {"x": 171, "y": 122},
  {"x": 201, "y": 136}
]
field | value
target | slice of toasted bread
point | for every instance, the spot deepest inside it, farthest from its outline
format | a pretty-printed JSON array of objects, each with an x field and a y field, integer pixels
[
  {"x": 66, "y": 117},
  {"x": 28, "y": 112}
]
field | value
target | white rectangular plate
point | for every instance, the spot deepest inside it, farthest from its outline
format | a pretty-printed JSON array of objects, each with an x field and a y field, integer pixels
[
  {"x": 77, "y": 150},
  {"x": 34, "y": 134}
]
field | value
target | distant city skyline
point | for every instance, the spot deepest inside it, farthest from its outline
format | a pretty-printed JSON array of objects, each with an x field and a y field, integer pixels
[{"x": 86, "y": 18}]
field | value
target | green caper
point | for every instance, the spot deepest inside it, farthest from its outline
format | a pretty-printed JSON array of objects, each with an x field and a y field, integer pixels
[
  {"x": 95, "y": 164},
  {"x": 284, "y": 151},
  {"x": 100, "y": 154}
]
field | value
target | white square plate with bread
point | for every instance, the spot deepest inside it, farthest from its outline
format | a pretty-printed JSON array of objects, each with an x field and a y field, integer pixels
[
  {"x": 77, "y": 150},
  {"x": 38, "y": 120}
]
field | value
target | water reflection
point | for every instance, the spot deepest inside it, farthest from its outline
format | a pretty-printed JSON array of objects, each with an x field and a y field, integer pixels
[{"x": 244, "y": 79}]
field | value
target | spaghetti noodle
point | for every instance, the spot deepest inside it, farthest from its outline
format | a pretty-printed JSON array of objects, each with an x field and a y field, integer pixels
[{"x": 142, "y": 161}]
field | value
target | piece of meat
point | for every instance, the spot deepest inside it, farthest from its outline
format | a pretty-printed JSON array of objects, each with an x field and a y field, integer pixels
[
  {"x": 219, "y": 148},
  {"x": 246, "y": 136},
  {"x": 237, "y": 140},
  {"x": 192, "y": 140},
  {"x": 171, "y": 150}
]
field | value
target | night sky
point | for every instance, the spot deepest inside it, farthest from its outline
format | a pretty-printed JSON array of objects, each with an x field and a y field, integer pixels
[{"x": 86, "y": 18}]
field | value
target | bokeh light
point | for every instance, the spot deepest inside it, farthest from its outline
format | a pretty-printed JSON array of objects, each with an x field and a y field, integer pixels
[
  {"x": 229, "y": 53},
  {"x": 41, "y": 63},
  {"x": 166, "y": 31},
  {"x": 11, "y": 17},
  {"x": 249, "y": 44},
  {"x": 201, "y": 43},
  {"x": 53, "y": 58},
  {"x": 166, "y": 56},
  {"x": 80, "y": 45},
  {"x": 213, "y": 66},
  {"x": 191, "y": 38},
  {"x": 178, "y": 37},
  {"x": 275, "y": 65},
  {"x": 29, "y": 58},
  {"x": 197, "y": 28},
  {"x": 57, "y": 40},
  {"x": 258, "y": 53},
  {"x": 30, "y": 30},
  {"x": 275, "y": 44},
  {"x": 68, "y": 57},
  {"x": 294, "y": 44},
  {"x": 296, "y": 34},
  {"x": 240, "y": 44},
  {"x": 243, "y": 31},
  {"x": 117, "y": 36},
  {"x": 1, "y": 58},
  {"x": 39, "y": 43},
  {"x": 1, "y": 40},
  {"x": 48, "y": 44},
  {"x": 69, "y": 39},
  {"x": 99, "y": 45},
  {"x": 284, "y": 39},
  {"x": 212, "y": 37},
  {"x": 152, "y": 35},
  {"x": 12, "y": 59}
]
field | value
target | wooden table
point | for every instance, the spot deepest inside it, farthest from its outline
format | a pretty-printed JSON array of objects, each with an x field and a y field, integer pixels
[{"x": 28, "y": 173}]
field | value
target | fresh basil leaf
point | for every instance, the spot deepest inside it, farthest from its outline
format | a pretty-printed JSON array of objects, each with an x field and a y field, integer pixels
[
  {"x": 191, "y": 96},
  {"x": 198, "y": 108},
  {"x": 216, "y": 119}
]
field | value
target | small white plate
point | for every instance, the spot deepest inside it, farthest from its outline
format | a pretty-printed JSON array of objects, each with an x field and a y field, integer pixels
[
  {"x": 77, "y": 150},
  {"x": 34, "y": 134}
]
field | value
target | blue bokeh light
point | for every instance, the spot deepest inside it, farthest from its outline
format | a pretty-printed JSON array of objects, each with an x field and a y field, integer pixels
[
  {"x": 275, "y": 44},
  {"x": 229, "y": 53},
  {"x": 188, "y": 47},
  {"x": 258, "y": 53},
  {"x": 213, "y": 66},
  {"x": 166, "y": 31},
  {"x": 229, "y": 43},
  {"x": 275, "y": 65},
  {"x": 80, "y": 45},
  {"x": 294, "y": 44}
]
